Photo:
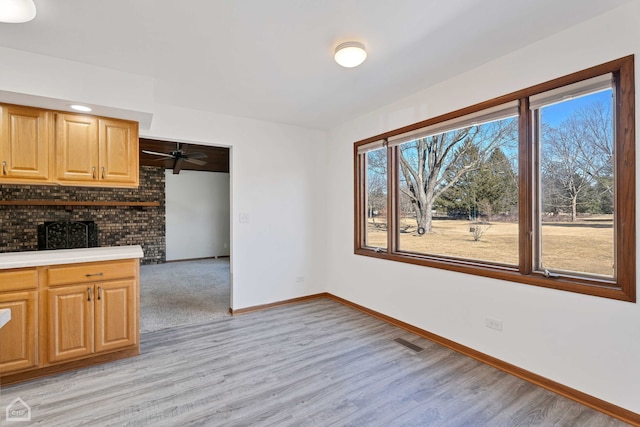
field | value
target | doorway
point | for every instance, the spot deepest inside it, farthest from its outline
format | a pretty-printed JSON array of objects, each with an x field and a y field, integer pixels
[{"x": 193, "y": 286}]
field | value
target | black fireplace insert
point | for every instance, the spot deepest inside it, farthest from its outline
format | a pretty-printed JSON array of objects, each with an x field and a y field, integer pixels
[{"x": 67, "y": 235}]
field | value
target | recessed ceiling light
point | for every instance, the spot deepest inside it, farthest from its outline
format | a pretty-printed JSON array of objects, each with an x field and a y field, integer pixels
[
  {"x": 350, "y": 54},
  {"x": 79, "y": 107},
  {"x": 17, "y": 11}
]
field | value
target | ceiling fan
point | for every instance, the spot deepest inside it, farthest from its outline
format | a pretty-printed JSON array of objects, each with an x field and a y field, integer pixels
[{"x": 179, "y": 155}]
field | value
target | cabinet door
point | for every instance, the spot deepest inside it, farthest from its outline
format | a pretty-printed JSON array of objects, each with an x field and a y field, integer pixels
[
  {"x": 24, "y": 144},
  {"x": 115, "y": 315},
  {"x": 76, "y": 148},
  {"x": 71, "y": 310},
  {"x": 19, "y": 337},
  {"x": 118, "y": 151}
]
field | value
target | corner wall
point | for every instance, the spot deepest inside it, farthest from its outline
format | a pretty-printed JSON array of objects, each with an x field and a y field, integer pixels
[{"x": 591, "y": 344}]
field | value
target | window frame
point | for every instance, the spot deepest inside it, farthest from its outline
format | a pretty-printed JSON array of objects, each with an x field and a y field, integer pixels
[{"x": 622, "y": 287}]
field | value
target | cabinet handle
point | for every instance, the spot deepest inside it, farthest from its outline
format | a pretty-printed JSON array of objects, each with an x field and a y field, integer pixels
[
  {"x": 103, "y": 173},
  {"x": 99, "y": 291},
  {"x": 4, "y": 167},
  {"x": 93, "y": 275},
  {"x": 93, "y": 172},
  {"x": 88, "y": 294}
]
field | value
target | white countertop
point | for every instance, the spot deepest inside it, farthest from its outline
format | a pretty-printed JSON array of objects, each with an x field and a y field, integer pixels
[
  {"x": 5, "y": 316},
  {"x": 68, "y": 256}
]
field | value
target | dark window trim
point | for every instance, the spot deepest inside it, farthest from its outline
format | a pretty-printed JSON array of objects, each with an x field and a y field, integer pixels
[{"x": 622, "y": 288}]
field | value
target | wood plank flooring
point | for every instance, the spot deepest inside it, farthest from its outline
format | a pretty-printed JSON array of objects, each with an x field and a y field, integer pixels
[{"x": 316, "y": 363}]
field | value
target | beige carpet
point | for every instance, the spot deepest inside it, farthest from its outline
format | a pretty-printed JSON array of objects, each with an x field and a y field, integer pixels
[{"x": 183, "y": 293}]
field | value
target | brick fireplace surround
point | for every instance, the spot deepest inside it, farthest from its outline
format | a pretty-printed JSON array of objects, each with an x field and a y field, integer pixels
[{"x": 117, "y": 225}]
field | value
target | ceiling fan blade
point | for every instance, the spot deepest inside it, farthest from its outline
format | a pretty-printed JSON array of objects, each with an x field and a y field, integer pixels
[
  {"x": 177, "y": 165},
  {"x": 161, "y": 159},
  {"x": 155, "y": 153},
  {"x": 194, "y": 161},
  {"x": 197, "y": 155}
]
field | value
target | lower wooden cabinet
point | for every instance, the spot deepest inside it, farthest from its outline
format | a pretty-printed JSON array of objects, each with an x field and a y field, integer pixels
[
  {"x": 67, "y": 316},
  {"x": 71, "y": 314},
  {"x": 115, "y": 325},
  {"x": 86, "y": 319},
  {"x": 19, "y": 338}
]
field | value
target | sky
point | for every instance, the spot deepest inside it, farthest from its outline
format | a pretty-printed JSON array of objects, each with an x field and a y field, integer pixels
[{"x": 556, "y": 113}]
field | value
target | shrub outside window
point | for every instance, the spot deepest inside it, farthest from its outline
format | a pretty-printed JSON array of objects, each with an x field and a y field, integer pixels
[{"x": 536, "y": 187}]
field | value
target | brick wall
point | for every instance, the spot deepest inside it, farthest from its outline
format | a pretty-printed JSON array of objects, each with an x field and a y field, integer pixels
[{"x": 117, "y": 226}]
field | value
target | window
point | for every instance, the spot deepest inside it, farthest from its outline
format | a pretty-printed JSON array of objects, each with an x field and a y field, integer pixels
[
  {"x": 535, "y": 187},
  {"x": 573, "y": 137},
  {"x": 456, "y": 181},
  {"x": 376, "y": 196}
]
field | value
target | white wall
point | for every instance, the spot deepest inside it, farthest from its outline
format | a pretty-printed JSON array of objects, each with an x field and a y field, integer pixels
[
  {"x": 197, "y": 214},
  {"x": 588, "y": 343}
]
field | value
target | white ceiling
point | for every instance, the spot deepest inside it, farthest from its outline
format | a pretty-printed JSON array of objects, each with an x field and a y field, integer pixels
[{"x": 273, "y": 59}]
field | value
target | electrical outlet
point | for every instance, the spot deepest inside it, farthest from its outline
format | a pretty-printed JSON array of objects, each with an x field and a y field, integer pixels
[
  {"x": 299, "y": 279},
  {"x": 244, "y": 217},
  {"x": 493, "y": 324}
]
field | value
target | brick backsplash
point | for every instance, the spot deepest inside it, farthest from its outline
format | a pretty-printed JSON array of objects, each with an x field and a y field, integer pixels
[{"x": 117, "y": 226}]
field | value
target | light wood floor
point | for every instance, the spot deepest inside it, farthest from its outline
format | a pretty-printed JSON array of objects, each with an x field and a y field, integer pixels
[{"x": 317, "y": 363}]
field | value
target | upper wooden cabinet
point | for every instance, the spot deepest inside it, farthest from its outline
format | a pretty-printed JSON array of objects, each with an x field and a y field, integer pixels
[
  {"x": 25, "y": 145},
  {"x": 96, "y": 151},
  {"x": 118, "y": 141},
  {"x": 47, "y": 147},
  {"x": 76, "y": 148}
]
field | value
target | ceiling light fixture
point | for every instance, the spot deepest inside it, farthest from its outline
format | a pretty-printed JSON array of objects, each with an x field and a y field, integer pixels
[
  {"x": 350, "y": 54},
  {"x": 79, "y": 107},
  {"x": 17, "y": 11}
]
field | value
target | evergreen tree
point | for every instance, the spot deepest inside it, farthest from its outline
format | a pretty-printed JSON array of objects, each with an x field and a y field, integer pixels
[
  {"x": 498, "y": 185},
  {"x": 489, "y": 189}
]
